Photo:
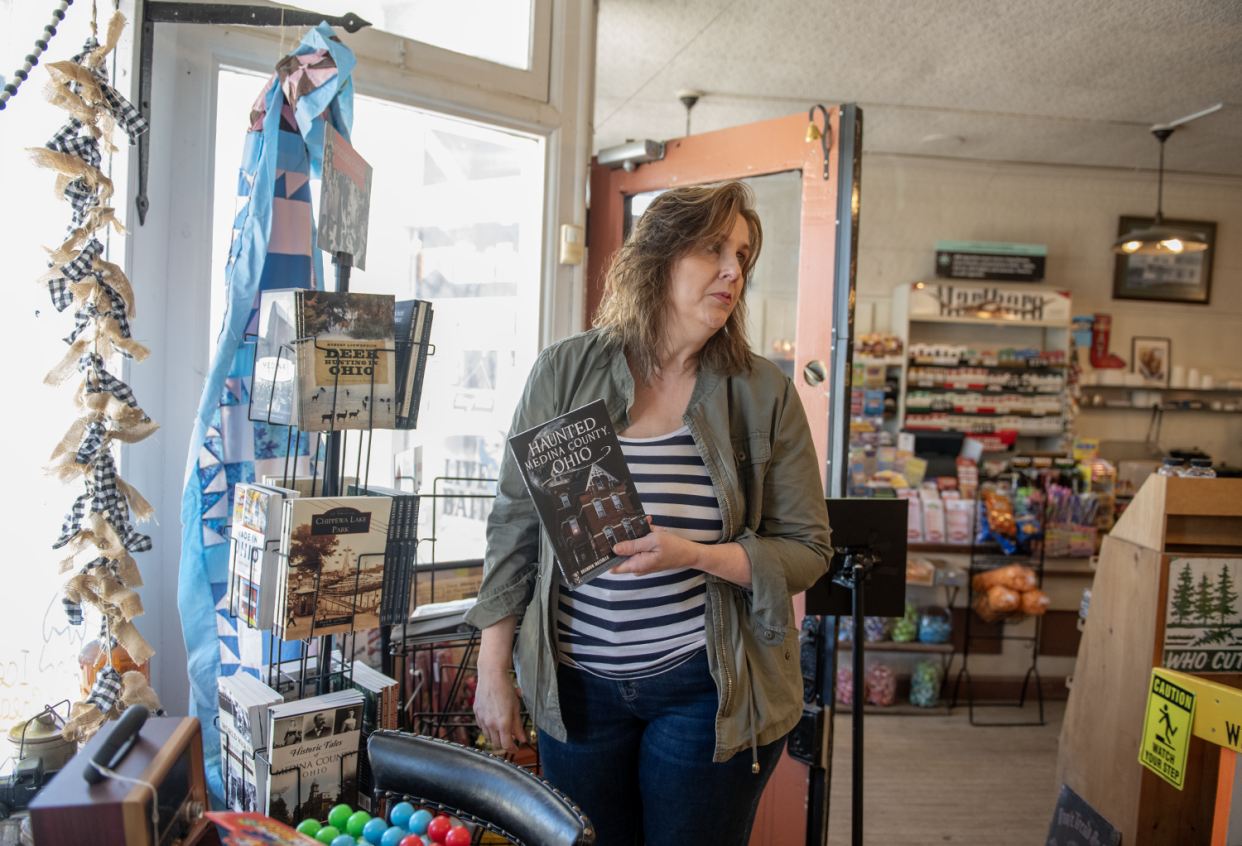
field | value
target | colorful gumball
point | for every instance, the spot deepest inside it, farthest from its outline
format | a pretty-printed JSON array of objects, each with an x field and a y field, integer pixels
[
  {"x": 357, "y": 821},
  {"x": 412, "y": 840},
  {"x": 400, "y": 814},
  {"x": 419, "y": 822},
  {"x": 338, "y": 817},
  {"x": 438, "y": 828},
  {"x": 458, "y": 835},
  {"x": 393, "y": 836},
  {"x": 374, "y": 830},
  {"x": 327, "y": 834},
  {"x": 309, "y": 827},
  {"x": 343, "y": 840}
]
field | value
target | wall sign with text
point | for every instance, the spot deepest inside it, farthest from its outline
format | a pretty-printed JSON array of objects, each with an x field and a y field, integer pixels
[
  {"x": 989, "y": 302},
  {"x": 997, "y": 262}
]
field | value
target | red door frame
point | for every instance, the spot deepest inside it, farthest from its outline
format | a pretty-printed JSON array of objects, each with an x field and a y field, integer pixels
[{"x": 772, "y": 146}]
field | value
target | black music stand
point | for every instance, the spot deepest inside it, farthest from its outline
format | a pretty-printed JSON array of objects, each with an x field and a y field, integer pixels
[{"x": 867, "y": 577}]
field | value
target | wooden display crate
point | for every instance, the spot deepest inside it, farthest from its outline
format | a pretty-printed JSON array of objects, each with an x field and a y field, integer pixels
[{"x": 1123, "y": 640}]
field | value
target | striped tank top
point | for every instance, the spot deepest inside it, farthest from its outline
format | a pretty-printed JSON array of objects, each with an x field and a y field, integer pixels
[{"x": 630, "y": 627}]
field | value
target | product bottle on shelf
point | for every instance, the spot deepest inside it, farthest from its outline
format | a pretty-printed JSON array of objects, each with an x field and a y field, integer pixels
[
  {"x": 1200, "y": 468},
  {"x": 1171, "y": 467}
]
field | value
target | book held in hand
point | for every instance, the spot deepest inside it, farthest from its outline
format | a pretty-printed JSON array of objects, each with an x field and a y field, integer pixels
[
  {"x": 332, "y": 569},
  {"x": 582, "y": 489},
  {"x": 314, "y": 755}
]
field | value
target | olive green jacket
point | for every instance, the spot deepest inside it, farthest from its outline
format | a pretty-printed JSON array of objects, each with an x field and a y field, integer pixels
[{"x": 753, "y": 436}]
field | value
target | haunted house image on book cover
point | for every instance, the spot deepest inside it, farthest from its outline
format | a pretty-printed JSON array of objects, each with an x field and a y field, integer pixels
[{"x": 581, "y": 486}]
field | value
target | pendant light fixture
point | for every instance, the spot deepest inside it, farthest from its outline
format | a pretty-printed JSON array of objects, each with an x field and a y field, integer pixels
[{"x": 1158, "y": 239}]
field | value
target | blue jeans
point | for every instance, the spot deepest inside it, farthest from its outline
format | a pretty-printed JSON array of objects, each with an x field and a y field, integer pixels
[{"x": 638, "y": 760}]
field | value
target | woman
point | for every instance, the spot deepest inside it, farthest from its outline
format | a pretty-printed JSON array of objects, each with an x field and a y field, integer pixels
[{"x": 647, "y": 682}]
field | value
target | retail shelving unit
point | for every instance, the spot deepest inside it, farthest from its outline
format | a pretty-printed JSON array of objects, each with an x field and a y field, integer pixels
[{"x": 993, "y": 396}]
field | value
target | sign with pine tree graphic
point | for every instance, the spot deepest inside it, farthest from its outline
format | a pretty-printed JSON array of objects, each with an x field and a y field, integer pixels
[{"x": 1203, "y": 623}]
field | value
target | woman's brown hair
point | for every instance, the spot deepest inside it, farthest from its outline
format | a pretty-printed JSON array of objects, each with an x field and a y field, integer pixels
[{"x": 636, "y": 285}]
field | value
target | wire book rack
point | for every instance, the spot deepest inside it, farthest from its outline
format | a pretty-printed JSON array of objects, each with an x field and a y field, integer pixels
[{"x": 435, "y": 672}]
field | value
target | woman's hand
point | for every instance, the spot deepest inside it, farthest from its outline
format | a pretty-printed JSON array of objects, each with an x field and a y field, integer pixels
[
  {"x": 497, "y": 710},
  {"x": 496, "y": 705},
  {"x": 662, "y": 550},
  {"x": 656, "y": 551}
]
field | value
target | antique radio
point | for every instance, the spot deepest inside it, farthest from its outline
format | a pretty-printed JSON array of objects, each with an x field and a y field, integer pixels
[{"x": 165, "y": 753}]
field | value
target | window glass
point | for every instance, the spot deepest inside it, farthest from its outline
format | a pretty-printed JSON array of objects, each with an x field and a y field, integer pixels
[
  {"x": 455, "y": 218},
  {"x": 599, "y": 507},
  {"x": 495, "y": 30}
]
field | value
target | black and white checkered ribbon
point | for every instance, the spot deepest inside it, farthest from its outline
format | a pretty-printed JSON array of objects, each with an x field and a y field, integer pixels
[
  {"x": 102, "y": 497},
  {"x": 103, "y": 381},
  {"x": 68, "y": 139},
  {"x": 106, "y": 690},
  {"x": 89, "y": 311},
  {"x": 74, "y": 271},
  {"x": 91, "y": 442}
]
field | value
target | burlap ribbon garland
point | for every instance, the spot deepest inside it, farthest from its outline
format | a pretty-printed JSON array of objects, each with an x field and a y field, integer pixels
[
  {"x": 70, "y": 168},
  {"x": 85, "y": 718},
  {"x": 115, "y": 26},
  {"x": 107, "y": 409}
]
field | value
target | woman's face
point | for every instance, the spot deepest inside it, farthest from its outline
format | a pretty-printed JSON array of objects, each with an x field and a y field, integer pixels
[{"x": 706, "y": 284}]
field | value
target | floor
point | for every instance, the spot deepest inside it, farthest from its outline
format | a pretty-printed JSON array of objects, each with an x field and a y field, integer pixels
[{"x": 936, "y": 780}]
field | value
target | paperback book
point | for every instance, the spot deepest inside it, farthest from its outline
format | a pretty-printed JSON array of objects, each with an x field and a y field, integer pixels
[
  {"x": 379, "y": 697},
  {"x": 332, "y": 564},
  {"x": 582, "y": 489},
  {"x": 275, "y": 359},
  {"x": 400, "y": 553},
  {"x": 305, "y": 485},
  {"x": 254, "y": 555},
  {"x": 344, "y": 199},
  {"x": 346, "y": 373},
  {"x": 413, "y": 330},
  {"x": 244, "y": 701},
  {"x": 316, "y": 744}
]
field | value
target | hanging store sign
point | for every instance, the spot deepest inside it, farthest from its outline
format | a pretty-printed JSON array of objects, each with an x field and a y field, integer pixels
[
  {"x": 1203, "y": 620},
  {"x": 997, "y": 262},
  {"x": 989, "y": 302}
]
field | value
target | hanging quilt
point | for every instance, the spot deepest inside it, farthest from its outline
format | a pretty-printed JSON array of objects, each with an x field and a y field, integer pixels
[{"x": 273, "y": 246}]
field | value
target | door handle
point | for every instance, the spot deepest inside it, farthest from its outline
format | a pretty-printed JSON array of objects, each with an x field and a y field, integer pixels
[{"x": 814, "y": 372}]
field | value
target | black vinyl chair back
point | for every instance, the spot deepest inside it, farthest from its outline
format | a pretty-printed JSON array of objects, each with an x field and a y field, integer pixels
[{"x": 476, "y": 787}]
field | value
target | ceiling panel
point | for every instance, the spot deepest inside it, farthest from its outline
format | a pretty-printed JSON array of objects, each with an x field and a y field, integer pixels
[{"x": 1055, "y": 81}]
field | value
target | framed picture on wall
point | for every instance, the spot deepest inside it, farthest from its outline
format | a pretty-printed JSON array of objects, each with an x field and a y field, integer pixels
[
  {"x": 1185, "y": 278},
  {"x": 1150, "y": 357}
]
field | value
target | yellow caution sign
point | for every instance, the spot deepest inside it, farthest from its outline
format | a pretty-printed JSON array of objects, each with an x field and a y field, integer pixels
[{"x": 1167, "y": 730}]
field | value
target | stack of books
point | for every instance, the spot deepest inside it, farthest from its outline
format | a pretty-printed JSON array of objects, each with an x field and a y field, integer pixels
[
  {"x": 244, "y": 701},
  {"x": 254, "y": 556},
  {"x": 332, "y": 565},
  {"x": 379, "y": 695},
  {"x": 316, "y": 746},
  {"x": 400, "y": 553},
  {"x": 329, "y": 361}
]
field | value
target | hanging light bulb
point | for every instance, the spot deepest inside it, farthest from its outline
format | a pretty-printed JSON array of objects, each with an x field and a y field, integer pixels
[{"x": 1158, "y": 239}]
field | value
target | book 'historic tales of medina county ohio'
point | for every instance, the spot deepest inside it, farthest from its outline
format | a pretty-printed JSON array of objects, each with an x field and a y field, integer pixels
[{"x": 582, "y": 489}]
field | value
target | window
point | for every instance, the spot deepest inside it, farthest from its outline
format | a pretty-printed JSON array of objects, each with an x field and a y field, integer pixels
[
  {"x": 564, "y": 500},
  {"x": 573, "y": 526},
  {"x": 608, "y": 533},
  {"x": 616, "y": 502},
  {"x": 456, "y": 218},
  {"x": 494, "y": 30},
  {"x": 599, "y": 508},
  {"x": 629, "y": 527}
]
